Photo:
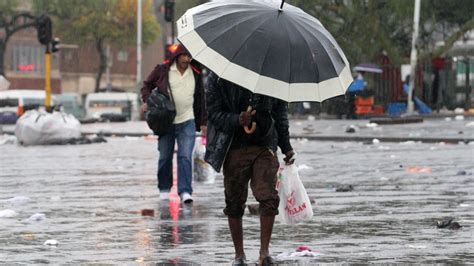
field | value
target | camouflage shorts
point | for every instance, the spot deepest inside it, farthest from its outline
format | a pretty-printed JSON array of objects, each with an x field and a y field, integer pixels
[{"x": 259, "y": 165}]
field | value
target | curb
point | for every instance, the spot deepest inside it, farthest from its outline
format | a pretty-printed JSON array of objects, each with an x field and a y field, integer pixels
[
  {"x": 384, "y": 139},
  {"x": 324, "y": 138},
  {"x": 309, "y": 137}
]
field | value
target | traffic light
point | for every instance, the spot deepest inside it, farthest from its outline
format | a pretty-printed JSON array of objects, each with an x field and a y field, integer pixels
[
  {"x": 45, "y": 30},
  {"x": 169, "y": 10},
  {"x": 55, "y": 45}
]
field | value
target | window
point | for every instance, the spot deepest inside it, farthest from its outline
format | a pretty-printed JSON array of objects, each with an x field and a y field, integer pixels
[
  {"x": 109, "y": 103},
  {"x": 122, "y": 56},
  {"x": 8, "y": 102},
  {"x": 27, "y": 58},
  {"x": 461, "y": 72},
  {"x": 33, "y": 101}
]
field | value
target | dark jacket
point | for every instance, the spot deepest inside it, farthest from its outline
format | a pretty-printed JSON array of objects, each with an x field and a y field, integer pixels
[
  {"x": 158, "y": 78},
  {"x": 222, "y": 102}
]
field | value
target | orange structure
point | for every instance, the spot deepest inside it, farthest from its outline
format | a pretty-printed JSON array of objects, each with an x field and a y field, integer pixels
[{"x": 364, "y": 106}]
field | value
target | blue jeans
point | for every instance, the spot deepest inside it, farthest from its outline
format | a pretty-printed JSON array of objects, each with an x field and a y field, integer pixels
[{"x": 185, "y": 134}]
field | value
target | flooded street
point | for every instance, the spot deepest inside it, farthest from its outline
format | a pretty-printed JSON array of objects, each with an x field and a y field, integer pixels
[
  {"x": 92, "y": 197},
  {"x": 375, "y": 96}
]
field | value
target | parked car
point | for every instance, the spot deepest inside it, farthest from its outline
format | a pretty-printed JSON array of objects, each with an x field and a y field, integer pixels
[
  {"x": 14, "y": 103},
  {"x": 70, "y": 103},
  {"x": 111, "y": 106}
]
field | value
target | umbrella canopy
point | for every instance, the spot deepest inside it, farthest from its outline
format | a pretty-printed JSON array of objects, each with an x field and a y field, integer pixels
[
  {"x": 267, "y": 47},
  {"x": 368, "y": 67},
  {"x": 357, "y": 85}
]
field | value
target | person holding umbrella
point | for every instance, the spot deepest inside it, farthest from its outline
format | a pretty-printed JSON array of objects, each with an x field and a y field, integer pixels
[
  {"x": 247, "y": 157},
  {"x": 263, "y": 55}
]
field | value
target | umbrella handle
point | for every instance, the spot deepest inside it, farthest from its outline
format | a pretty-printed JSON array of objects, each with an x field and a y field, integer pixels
[
  {"x": 254, "y": 124},
  {"x": 252, "y": 129}
]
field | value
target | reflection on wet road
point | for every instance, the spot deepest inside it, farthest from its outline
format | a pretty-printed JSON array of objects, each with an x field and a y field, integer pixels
[{"x": 92, "y": 196}]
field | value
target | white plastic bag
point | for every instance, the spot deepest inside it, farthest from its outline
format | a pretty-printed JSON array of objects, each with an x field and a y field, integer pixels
[
  {"x": 295, "y": 205},
  {"x": 202, "y": 172},
  {"x": 43, "y": 128}
]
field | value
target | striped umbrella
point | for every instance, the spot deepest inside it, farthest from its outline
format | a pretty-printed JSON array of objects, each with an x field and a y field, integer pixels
[{"x": 268, "y": 47}]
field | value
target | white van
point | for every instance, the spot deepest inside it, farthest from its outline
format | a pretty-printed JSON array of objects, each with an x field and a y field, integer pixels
[
  {"x": 101, "y": 104},
  {"x": 13, "y": 103},
  {"x": 71, "y": 103}
]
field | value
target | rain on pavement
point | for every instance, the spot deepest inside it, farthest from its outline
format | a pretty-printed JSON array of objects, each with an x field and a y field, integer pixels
[{"x": 92, "y": 195}]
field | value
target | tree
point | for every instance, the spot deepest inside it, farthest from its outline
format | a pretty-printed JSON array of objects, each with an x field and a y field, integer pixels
[
  {"x": 364, "y": 29},
  {"x": 101, "y": 21},
  {"x": 450, "y": 19},
  {"x": 11, "y": 21},
  {"x": 367, "y": 28}
]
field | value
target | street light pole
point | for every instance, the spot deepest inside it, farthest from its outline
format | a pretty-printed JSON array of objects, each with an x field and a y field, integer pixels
[
  {"x": 139, "y": 47},
  {"x": 467, "y": 104},
  {"x": 413, "y": 56},
  {"x": 139, "y": 42}
]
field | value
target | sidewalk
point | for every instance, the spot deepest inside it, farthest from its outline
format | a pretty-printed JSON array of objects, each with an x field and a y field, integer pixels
[
  {"x": 431, "y": 130},
  {"x": 446, "y": 129}
]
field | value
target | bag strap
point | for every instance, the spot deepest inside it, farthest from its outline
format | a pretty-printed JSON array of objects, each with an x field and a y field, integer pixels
[
  {"x": 165, "y": 68},
  {"x": 169, "y": 90}
]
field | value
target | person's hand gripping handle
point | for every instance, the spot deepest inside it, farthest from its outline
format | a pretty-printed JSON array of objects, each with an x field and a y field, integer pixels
[{"x": 245, "y": 119}]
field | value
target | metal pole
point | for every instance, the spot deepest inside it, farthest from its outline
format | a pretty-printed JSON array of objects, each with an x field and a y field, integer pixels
[
  {"x": 139, "y": 47},
  {"x": 413, "y": 55},
  {"x": 172, "y": 30},
  {"x": 47, "y": 78},
  {"x": 467, "y": 104},
  {"x": 139, "y": 42}
]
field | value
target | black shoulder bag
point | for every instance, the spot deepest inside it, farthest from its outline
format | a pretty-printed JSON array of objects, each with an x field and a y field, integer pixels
[{"x": 161, "y": 112}]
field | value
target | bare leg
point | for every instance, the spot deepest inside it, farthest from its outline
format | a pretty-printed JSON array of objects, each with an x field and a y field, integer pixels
[
  {"x": 236, "y": 231},
  {"x": 266, "y": 228}
]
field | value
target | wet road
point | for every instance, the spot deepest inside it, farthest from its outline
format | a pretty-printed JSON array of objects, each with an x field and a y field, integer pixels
[{"x": 92, "y": 195}]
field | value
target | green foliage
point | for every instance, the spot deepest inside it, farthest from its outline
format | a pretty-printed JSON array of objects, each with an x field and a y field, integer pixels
[
  {"x": 7, "y": 8},
  {"x": 364, "y": 29},
  {"x": 80, "y": 21},
  {"x": 367, "y": 28},
  {"x": 103, "y": 22},
  {"x": 182, "y": 5},
  {"x": 455, "y": 12}
]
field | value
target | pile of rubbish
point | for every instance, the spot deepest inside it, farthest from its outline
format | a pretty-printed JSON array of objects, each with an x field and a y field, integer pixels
[
  {"x": 300, "y": 252},
  {"x": 37, "y": 127}
]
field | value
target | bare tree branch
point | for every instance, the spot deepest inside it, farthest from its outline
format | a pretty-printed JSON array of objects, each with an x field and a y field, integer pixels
[
  {"x": 10, "y": 25},
  {"x": 25, "y": 15},
  {"x": 21, "y": 27}
]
